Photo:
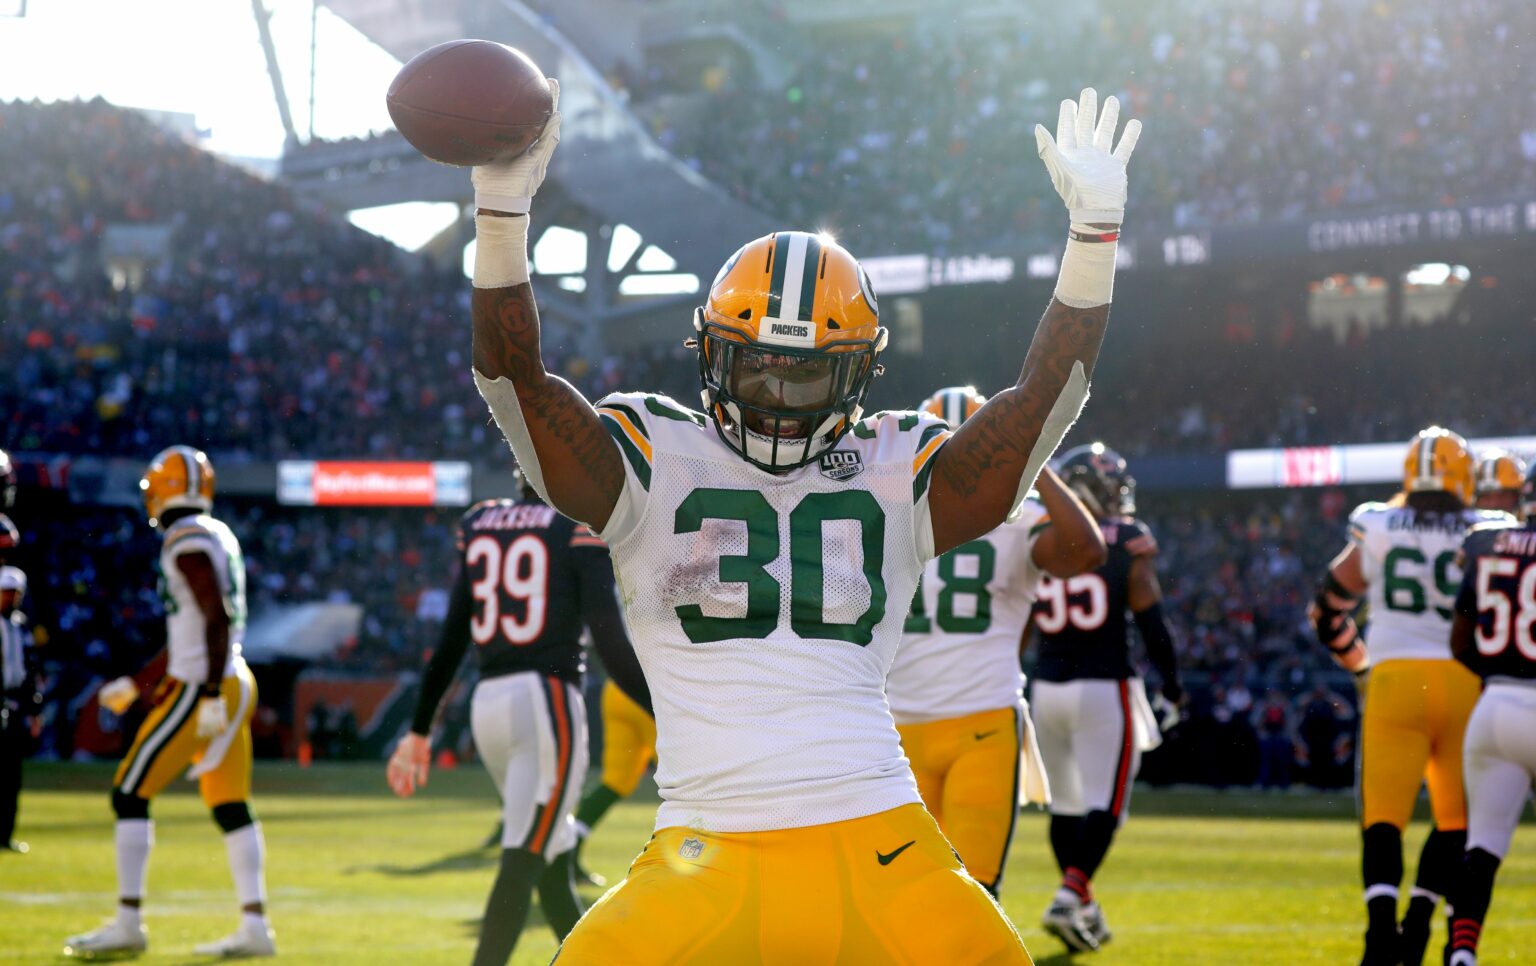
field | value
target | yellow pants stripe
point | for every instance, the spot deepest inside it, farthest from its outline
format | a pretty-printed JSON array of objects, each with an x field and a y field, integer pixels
[{"x": 177, "y": 711}]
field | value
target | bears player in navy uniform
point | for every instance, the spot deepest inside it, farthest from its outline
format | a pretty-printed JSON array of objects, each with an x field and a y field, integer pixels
[
  {"x": 529, "y": 580},
  {"x": 1090, "y": 710},
  {"x": 1494, "y": 634}
]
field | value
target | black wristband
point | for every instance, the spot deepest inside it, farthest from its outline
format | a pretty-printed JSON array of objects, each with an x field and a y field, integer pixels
[{"x": 209, "y": 690}]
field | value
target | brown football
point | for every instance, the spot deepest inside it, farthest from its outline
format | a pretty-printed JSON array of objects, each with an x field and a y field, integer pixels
[{"x": 469, "y": 102}]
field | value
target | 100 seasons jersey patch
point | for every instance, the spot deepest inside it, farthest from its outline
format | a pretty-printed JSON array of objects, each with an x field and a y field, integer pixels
[{"x": 841, "y": 465}]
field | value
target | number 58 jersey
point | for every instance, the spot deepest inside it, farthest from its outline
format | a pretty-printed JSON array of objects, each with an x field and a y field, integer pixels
[
  {"x": 1408, "y": 558},
  {"x": 766, "y": 609}
]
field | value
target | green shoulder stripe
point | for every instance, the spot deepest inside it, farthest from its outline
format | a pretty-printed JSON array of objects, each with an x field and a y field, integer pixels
[
  {"x": 929, "y": 434},
  {"x": 631, "y": 452},
  {"x": 670, "y": 410},
  {"x": 629, "y": 411},
  {"x": 920, "y": 481},
  {"x": 1040, "y": 527}
]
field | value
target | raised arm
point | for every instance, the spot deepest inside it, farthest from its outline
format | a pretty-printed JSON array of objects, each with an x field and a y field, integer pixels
[
  {"x": 985, "y": 469},
  {"x": 555, "y": 433},
  {"x": 1073, "y": 543}
]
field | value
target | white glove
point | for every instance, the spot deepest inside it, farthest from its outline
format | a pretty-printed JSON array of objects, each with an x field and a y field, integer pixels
[
  {"x": 409, "y": 765},
  {"x": 510, "y": 185},
  {"x": 1088, "y": 176},
  {"x": 118, "y": 695},
  {"x": 211, "y": 717},
  {"x": 1168, "y": 713}
]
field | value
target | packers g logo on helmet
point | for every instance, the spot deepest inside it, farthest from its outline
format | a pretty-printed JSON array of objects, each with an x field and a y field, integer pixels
[
  {"x": 1439, "y": 461},
  {"x": 788, "y": 339},
  {"x": 954, "y": 404},
  {"x": 179, "y": 477}
]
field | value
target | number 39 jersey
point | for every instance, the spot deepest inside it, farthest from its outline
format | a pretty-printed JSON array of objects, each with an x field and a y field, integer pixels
[
  {"x": 1408, "y": 558},
  {"x": 960, "y": 654},
  {"x": 766, "y": 609},
  {"x": 520, "y": 619},
  {"x": 1081, "y": 620}
]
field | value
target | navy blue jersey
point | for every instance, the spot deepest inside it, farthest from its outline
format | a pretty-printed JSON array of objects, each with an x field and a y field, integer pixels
[
  {"x": 1498, "y": 592},
  {"x": 522, "y": 574},
  {"x": 1082, "y": 620}
]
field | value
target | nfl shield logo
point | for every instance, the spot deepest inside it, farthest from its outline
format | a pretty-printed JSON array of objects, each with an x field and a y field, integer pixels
[
  {"x": 841, "y": 465},
  {"x": 691, "y": 848}
]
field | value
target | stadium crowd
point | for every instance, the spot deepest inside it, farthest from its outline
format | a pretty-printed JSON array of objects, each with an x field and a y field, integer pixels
[{"x": 917, "y": 138}]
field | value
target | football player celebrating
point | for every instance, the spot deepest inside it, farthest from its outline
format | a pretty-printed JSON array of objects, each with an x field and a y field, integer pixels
[
  {"x": 1494, "y": 635},
  {"x": 955, "y": 688},
  {"x": 629, "y": 747},
  {"x": 201, "y": 715},
  {"x": 1500, "y": 475},
  {"x": 1402, "y": 556},
  {"x": 766, "y": 550},
  {"x": 529, "y": 579},
  {"x": 1089, "y": 706}
]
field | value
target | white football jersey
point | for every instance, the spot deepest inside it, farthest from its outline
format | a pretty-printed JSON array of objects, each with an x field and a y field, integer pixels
[
  {"x": 960, "y": 654},
  {"x": 1409, "y": 559},
  {"x": 766, "y": 610},
  {"x": 186, "y": 630}
]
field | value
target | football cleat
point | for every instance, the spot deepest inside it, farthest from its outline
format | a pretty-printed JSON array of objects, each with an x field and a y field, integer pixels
[
  {"x": 114, "y": 940},
  {"x": 1065, "y": 922},
  {"x": 788, "y": 340},
  {"x": 179, "y": 477},
  {"x": 1438, "y": 460},
  {"x": 1093, "y": 918},
  {"x": 249, "y": 941}
]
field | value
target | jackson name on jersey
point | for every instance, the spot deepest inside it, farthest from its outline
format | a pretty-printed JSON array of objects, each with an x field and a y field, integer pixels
[
  {"x": 186, "y": 629},
  {"x": 961, "y": 651},
  {"x": 1408, "y": 558},
  {"x": 766, "y": 610}
]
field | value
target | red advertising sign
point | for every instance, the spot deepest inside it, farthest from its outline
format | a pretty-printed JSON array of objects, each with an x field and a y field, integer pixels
[
  {"x": 1312, "y": 466},
  {"x": 332, "y": 483}
]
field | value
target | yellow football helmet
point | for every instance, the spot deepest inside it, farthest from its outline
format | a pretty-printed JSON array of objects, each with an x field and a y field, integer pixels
[
  {"x": 180, "y": 477},
  {"x": 1499, "y": 469},
  {"x": 788, "y": 339},
  {"x": 954, "y": 404},
  {"x": 1439, "y": 460}
]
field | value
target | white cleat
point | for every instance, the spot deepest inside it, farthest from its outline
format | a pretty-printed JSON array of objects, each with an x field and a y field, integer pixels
[
  {"x": 1093, "y": 918},
  {"x": 1065, "y": 922},
  {"x": 249, "y": 941},
  {"x": 112, "y": 941}
]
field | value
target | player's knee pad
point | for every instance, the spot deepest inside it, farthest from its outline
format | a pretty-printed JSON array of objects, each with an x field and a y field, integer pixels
[
  {"x": 1382, "y": 854},
  {"x": 126, "y": 806},
  {"x": 233, "y": 816}
]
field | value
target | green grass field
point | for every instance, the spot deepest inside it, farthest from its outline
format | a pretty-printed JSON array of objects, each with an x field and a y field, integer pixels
[{"x": 357, "y": 876}]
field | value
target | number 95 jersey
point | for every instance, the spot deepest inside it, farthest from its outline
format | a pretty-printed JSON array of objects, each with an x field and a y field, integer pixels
[
  {"x": 1408, "y": 558},
  {"x": 766, "y": 609}
]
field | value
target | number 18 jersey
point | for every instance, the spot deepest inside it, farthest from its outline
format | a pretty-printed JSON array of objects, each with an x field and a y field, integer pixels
[
  {"x": 1408, "y": 558},
  {"x": 766, "y": 609}
]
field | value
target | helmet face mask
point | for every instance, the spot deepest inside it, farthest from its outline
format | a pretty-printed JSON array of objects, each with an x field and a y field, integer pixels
[{"x": 777, "y": 407}]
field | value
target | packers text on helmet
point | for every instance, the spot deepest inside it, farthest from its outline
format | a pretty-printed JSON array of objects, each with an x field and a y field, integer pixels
[
  {"x": 788, "y": 340},
  {"x": 179, "y": 477}
]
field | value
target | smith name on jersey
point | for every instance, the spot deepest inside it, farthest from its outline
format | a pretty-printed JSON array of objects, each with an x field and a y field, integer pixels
[
  {"x": 766, "y": 610},
  {"x": 961, "y": 651},
  {"x": 186, "y": 629},
  {"x": 1409, "y": 560}
]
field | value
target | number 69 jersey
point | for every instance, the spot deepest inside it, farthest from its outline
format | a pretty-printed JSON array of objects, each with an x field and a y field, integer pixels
[
  {"x": 960, "y": 655},
  {"x": 1408, "y": 558},
  {"x": 766, "y": 609}
]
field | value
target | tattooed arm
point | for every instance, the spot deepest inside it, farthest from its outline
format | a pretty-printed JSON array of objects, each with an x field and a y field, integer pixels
[
  {"x": 580, "y": 465},
  {"x": 984, "y": 470}
]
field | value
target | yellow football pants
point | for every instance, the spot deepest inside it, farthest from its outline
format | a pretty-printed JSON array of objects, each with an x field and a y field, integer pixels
[
  {"x": 1415, "y": 721},
  {"x": 167, "y": 743},
  {"x": 629, "y": 741},
  {"x": 885, "y": 888},
  {"x": 967, "y": 771}
]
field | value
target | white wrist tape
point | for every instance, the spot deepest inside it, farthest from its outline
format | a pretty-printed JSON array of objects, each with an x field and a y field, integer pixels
[
  {"x": 1087, "y": 275},
  {"x": 501, "y": 251}
]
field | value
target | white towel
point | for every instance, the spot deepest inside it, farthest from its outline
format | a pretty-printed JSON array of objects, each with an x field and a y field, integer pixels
[
  {"x": 1148, "y": 734},
  {"x": 213, "y": 755},
  {"x": 1034, "y": 786}
]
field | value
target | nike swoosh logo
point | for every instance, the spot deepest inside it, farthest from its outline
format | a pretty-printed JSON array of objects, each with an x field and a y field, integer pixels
[
  {"x": 986, "y": 734},
  {"x": 888, "y": 859}
]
